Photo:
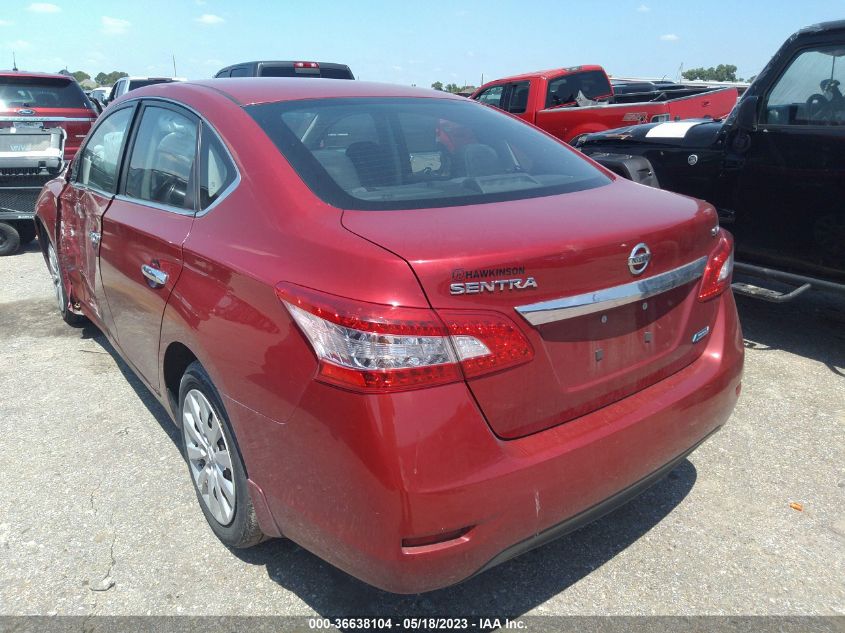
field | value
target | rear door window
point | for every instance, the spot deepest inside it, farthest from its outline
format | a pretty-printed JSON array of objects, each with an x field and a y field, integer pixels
[
  {"x": 100, "y": 158},
  {"x": 590, "y": 85},
  {"x": 38, "y": 92},
  {"x": 161, "y": 165},
  {"x": 518, "y": 99}
]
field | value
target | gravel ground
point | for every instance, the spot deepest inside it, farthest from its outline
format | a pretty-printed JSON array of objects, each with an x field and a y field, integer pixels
[{"x": 97, "y": 513}]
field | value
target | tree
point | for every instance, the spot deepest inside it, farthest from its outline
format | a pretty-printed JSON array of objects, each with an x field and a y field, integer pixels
[
  {"x": 437, "y": 85},
  {"x": 107, "y": 79},
  {"x": 80, "y": 76},
  {"x": 722, "y": 72}
]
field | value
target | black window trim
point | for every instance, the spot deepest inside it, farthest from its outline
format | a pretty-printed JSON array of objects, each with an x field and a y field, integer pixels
[
  {"x": 764, "y": 101},
  {"x": 74, "y": 180}
]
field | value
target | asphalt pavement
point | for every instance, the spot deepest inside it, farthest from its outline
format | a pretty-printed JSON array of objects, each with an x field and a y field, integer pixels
[{"x": 98, "y": 516}]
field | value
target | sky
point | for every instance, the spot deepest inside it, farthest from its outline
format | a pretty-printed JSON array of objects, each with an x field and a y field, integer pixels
[{"x": 403, "y": 42}]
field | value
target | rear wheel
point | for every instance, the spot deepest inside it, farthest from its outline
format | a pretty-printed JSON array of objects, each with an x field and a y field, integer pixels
[
  {"x": 59, "y": 289},
  {"x": 10, "y": 239},
  {"x": 214, "y": 462}
]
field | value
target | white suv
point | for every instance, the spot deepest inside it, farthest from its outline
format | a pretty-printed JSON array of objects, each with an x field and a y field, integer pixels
[{"x": 125, "y": 84}]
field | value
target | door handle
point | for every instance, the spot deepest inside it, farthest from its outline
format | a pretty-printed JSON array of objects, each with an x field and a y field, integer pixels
[
  {"x": 155, "y": 278},
  {"x": 94, "y": 237}
]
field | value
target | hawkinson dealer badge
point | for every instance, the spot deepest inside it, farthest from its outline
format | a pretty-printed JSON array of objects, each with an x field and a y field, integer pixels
[{"x": 490, "y": 280}]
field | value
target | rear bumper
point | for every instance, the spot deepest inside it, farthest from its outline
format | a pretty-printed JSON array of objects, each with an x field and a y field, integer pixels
[{"x": 349, "y": 477}]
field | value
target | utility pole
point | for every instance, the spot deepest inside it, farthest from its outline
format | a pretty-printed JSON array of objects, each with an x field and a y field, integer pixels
[
  {"x": 174, "y": 63},
  {"x": 14, "y": 62}
]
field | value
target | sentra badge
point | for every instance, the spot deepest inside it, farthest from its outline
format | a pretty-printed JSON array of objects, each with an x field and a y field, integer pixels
[{"x": 468, "y": 282}]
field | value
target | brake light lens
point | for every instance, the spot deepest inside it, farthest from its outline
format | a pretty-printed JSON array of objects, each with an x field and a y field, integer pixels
[
  {"x": 306, "y": 65},
  {"x": 377, "y": 348},
  {"x": 717, "y": 273}
]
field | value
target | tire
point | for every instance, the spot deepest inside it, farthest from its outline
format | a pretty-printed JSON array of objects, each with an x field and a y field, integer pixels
[
  {"x": 10, "y": 239},
  {"x": 26, "y": 231},
  {"x": 62, "y": 302},
  {"x": 220, "y": 483}
]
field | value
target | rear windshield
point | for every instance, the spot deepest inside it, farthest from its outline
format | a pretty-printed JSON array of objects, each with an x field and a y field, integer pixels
[
  {"x": 134, "y": 84},
  {"x": 289, "y": 71},
  {"x": 409, "y": 153},
  {"x": 40, "y": 92}
]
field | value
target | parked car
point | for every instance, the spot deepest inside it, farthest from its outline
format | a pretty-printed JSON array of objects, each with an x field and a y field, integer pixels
[
  {"x": 572, "y": 102},
  {"x": 775, "y": 169},
  {"x": 43, "y": 119},
  {"x": 408, "y": 332},
  {"x": 100, "y": 95},
  {"x": 321, "y": 70},
  {"x": 125, "y": 84}
]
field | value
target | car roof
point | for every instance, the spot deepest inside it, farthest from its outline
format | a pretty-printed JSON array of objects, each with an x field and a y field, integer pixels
[
  {"x": 553, "y": 72},
  {"x": 824, "y": 26},
  {"x": 284, "y": 61},
  {"x": 144, "y": 78},
  {"x": 26, "y": 73},
  {"x": 253, "y": 90}
]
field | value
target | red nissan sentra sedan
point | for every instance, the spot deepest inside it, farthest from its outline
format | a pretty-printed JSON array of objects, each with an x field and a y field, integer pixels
[{"x": 407, "y": 331}]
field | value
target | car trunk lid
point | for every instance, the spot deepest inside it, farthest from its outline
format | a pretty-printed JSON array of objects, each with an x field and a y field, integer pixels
[{"x": 509, "y": 257}]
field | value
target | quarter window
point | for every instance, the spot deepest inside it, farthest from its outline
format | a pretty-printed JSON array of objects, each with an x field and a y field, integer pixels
[
  {"x": 162, "y": 160},
  {"x": 217, "y": 170},
  {"x": 809, "y": 92},
  {"x": 99, "y": 161}
]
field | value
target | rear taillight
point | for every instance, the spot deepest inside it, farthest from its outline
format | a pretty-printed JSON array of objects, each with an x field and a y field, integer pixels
[
  {"x": 376, "y": 348},
  {"x": 717, "y": 273}
]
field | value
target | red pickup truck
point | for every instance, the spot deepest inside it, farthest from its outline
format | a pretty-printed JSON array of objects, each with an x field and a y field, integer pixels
[{"x": 572, "y": 102}]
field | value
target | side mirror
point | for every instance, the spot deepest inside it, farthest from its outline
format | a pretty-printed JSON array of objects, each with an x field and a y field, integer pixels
[{"x": 746, "y": 117}]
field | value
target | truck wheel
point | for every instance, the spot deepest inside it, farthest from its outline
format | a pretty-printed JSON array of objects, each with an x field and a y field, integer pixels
[
  {"x": 214, "y": 462},
  {"x": 26, "y": 231},
  {"x": 59, "y": 288},
  {"x": 10, "y": 240}
]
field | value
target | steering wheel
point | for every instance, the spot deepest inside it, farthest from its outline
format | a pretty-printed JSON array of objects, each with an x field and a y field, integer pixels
[
  {"x": 818, "y": 107},
  {"x": 170, "y": 191}
]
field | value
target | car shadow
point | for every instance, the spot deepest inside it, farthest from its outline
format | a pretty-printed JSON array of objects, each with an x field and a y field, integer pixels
[
  {"x": 509, "y": 590},
  {"x": 812, "y": 326},
  {"x": 90, "y": 331}
]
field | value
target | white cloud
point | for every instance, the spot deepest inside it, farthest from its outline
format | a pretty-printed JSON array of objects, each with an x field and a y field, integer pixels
[
  {"x": 43, "y": 7},
  {"x": 114, "y": 26},
  {"x": 669, "y": 37},
  {"x": 210, "y": 18},
  {"x": 643, "y": 8},
  {"x": 18, "y": 45},
  {"x": 6, "y": 23}
]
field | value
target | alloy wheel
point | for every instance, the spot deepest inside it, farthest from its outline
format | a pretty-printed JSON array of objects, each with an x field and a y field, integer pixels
[
  {"x": 56, "y": 275},
  {"x": 208, "y": 456}
]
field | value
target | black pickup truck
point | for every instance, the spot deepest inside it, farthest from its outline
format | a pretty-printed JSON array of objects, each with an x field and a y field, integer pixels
[{"x": 774, "y": 168}]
